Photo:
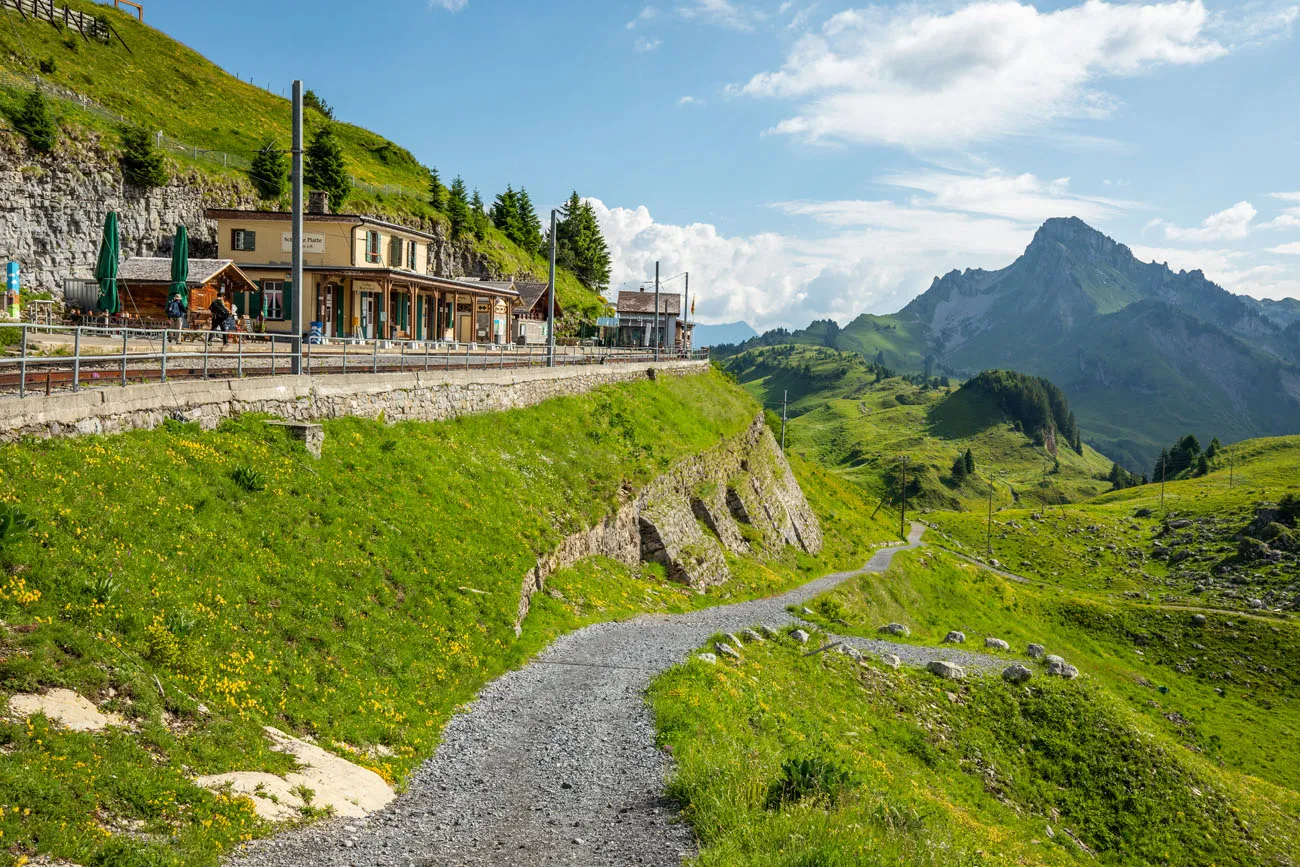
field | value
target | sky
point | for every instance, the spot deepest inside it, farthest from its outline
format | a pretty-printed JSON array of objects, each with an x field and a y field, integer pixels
[{"x": 805, "y": 159}]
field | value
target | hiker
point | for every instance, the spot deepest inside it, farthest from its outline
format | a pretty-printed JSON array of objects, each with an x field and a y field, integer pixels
[
  {"x": 176, "y": 312},
  {"x": 221, "y": 318}
]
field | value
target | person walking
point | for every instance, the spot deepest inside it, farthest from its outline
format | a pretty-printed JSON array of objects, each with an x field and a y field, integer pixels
[
  {"x": 221, "y": 318},
  {"x": 177, "y": 313}
]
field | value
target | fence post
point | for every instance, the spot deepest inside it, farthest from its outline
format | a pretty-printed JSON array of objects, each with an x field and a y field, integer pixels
[
  {"x": 163, "y": 371},
  {"x": 22, "y": 365},
  {"x": 76, "y": 354}
]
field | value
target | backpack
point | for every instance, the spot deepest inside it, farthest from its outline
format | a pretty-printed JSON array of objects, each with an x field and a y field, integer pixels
[{"x": 176, "y": 310}]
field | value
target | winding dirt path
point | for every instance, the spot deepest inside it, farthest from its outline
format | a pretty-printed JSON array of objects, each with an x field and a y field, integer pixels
[{"x": 556, "y": 763}]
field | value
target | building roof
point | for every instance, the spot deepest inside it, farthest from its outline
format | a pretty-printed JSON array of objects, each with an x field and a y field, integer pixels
[
  {"x": 399, "y": 276},
  {"x": 531, "y": 293},
  {"x": 633, "y": 303},
  {"x": 352, "y": 219},
  {"x": 155, "y": 269}
]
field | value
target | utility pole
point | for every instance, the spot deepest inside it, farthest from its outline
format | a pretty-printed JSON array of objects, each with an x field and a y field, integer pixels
[
  {"x": 1162, "y": 485},
  {"x": 550, "y": 301},
  {"x": 1231, "y": 468},
  {"x": 988, "y": 533},
  {"x": 298, "y": 290},
  {"x": 686, "y": 318},
  {"x": 785, "y": 403},
  {"x": 902, "y": 515},
  {"x": 655, "y": 335}
]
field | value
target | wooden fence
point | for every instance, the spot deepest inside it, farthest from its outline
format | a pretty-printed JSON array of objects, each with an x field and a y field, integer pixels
[{"x": 89, "y": 26}]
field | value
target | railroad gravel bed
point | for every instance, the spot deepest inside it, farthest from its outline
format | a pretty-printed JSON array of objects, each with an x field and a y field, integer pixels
[{"x": 556, "y": 763}]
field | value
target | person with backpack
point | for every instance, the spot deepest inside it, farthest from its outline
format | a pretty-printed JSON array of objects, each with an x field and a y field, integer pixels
[
  {"x": 221, "y": 318},
  {"x": 177, "y": 313}
]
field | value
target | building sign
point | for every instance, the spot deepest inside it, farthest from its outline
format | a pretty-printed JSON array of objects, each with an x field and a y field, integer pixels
[{"x": 312, "y": 242}]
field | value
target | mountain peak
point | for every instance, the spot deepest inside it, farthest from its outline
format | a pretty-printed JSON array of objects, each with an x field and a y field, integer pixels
[{"x": 1077, "y": 237}]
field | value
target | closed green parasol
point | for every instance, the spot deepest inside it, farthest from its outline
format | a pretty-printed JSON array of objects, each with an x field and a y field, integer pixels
[
  {"x": 181, "y": 264},
  {"x": 106, "y": 267}
]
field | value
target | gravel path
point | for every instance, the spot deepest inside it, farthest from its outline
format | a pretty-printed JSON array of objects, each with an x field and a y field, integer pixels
[{"x": 556, "y": 763}]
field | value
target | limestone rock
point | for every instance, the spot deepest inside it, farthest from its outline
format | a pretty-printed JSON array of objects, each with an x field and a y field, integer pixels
[
  {"x": 891, "y": 659},
  {"x": 946, "y": 670},
  {"x": 895, "y": 629},
  {"x": 273, "y": 797},
  {"x": 752, "y": 635},
  {"x": 954, "y": 637},
  {"x": 1198, "y": 619},
  {"x": 1053, "y": 659},
  {"x": 64, "y": 708},
  {"x": 707, "y": 657},
  {"x": 996, "y": 644},
  {"x": 1036, "y": 651},
  {"x": 353, "y": 791},
  {"x": 731, "y": 636},
  {"x": 726, "y": 650},
  {"x": 1016, "y": 673},
  {"x": 1062, "y": 669},
  {"x": 800, "y": 636}
]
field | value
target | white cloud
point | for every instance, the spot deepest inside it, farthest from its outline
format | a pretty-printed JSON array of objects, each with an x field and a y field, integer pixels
[
  {"x": 1287, "y": 197},
  {"x": 1020, "y": 197},
  {"x": 648, "y": 13},
  {"x": 449, "y": 5},
  {"x": 645, "y": 43},
  {"x": 690, "y": 100},
  {"x": 1292, "y": 249},
  {"x": 1230, "y": 224},
  {"x": 987, "y": 70},
  {"x": 721, "y": 12}
]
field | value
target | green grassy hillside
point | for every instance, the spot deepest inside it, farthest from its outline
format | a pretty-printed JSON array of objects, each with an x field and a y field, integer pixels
[
  {"x": 161, "y": 84},
  {"x": 847, "y": 415},
  {"x": 357, "y": 600},
  {"x": 1162, "y": 753}
]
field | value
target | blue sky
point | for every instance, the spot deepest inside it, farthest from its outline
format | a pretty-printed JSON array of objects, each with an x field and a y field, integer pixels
[{"x": 817, "y": 158}]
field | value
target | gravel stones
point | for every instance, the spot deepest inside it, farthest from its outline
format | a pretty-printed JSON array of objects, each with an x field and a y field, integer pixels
[
  {"x": 895, "y": 629},
  {"x": 1016, "y": 673},
  {"x": 955, "y": 637},
  {"x": 946, "y": 670},
  {"x": 996, "y": 644}
]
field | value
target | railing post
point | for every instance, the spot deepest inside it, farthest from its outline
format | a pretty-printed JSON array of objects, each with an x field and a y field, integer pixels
[
  {"x": 124, "y": 357},
  {"x": 22, "y": 365},
  {"x": 374, "y": 368},
  {"x": 308, "y": 353},
  {"x": 401, "y": 357},
  {"x": 76, "y": 359},
  {"x": 239, "y": 359},
  {"x": 426, "y": 355},
  {"x": 273, "y": 355},
  {"x": 163, "y": 370},
  {"x": 207, "y": 344},
  {"x": 345, "y": 356}
]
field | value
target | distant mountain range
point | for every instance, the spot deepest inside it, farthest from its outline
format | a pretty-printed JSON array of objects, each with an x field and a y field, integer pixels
[
  {"x": 1144, "y": 354},
  {"x": 726, "y": 332}
]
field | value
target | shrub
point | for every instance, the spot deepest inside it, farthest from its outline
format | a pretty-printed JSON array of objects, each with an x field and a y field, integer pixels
[
  {"x": 808, "y": 778},
  {"x": 35, "y": 122},
  {"x": 313, "y": 100},
  {"x": 142, "y": 165},
  {"x": 48, "y": 66},
  {"x": 248, "y": 478},
  {"x": 103, "y": 588},
  {"x": 14, "y": 524}
]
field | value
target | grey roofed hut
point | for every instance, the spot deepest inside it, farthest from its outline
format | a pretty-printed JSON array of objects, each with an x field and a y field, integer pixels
[{"x": 146, "y": 283}]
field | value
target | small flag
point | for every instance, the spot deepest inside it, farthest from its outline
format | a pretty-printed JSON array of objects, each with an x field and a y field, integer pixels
[{"x": 692, "y": 306}]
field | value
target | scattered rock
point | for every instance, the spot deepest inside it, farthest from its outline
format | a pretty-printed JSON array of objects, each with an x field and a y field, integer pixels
[
  {"x": 1198, "y": 619},
  {"x": 996, "y": 644},
  {"x": 707, "y": 657},
  {"x": 727, "y": 650},
  {"x": 946, "y": 670},
  {"x": 800, "y": 636},
  {"x": 955, "y": 637},
  {"x": 891, "y": 659},
  {"x": 1036, "y": 651},
  {"x": 895, "y": 629},
  {"x": 1016, "y": 673},
  {"x": 731, "y": 636},
  {"x": 1062, "y": 669},
  {"x": 769, "y": 632},
  {"x": 850, "y": 651},
  {"x": 806, "y": 611},
  {"x": 751, "y": 635},
  {"x": 66, "y": 708},
  {"x": 1052, "y": 658}
]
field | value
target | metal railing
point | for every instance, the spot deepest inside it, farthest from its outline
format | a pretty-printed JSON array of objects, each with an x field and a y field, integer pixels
[{"x": 44, "y": 360}]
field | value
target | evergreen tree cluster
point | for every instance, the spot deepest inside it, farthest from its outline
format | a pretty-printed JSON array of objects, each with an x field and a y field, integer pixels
[
  {"x": 513, "y": 214},
  {"x": 314, "y": 101},
  {"x": 1121, "y": 478},
  {"x": 962, "y": 466},
  {"x": 1033, "y": 403},
  {"x": 1185, "y": 458},
  {"x": 580, "y": 246}
]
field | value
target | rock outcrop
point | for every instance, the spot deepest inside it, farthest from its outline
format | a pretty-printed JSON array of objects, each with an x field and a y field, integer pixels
[{"x": 688, "y": 518}]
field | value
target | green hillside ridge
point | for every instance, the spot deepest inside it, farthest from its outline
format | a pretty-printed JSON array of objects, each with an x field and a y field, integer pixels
[
  {"x": 1148, "y": 758},
  {"x": 161, "y": 84},
  {"x": 358, "y": 599},
  {"x": 851, "y": 416},
  {"x": 1144, "y": 354}
]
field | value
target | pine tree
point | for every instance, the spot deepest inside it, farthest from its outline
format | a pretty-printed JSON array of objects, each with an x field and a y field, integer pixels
[
  {"x": 959, "y": 469},
  {"x": 312, "y": 99},
  {"x": 478, "y": 216},
  {"x": 1202, "y": 466},
  {"x": 36, "y": 123},
  {"x": 505, "y": 214},
  {"x": 142, "y": 165},
  {"x": 437, "y": 192},
  {"x": 530, "y": 227},
  {"x": 970, "y": 462},
  {"x": 458, "y": 208},
  {"x": 1213, "y": 448},
  {"x": 593, "y": 253},
  {"x": 323, "y": 168},
  {"x": 268, "y": 170}
]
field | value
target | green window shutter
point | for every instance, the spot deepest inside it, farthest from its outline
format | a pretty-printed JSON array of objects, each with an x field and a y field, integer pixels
[
  {"x": 379, "y": 314},
  {"x": 287, "y": 304},
  {"x": 338, "y": 311},
  {"x": 255, "y": 302},
  {"x": 419, "y": 317}
]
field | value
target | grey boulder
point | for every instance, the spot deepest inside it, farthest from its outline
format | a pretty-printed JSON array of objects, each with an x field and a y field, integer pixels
[
  {"x": 946, "y": 670},
  {"x": 954, "y": 637},
  {"x": 1016, "y": 673},
  {"x": 895, "y": 629}
]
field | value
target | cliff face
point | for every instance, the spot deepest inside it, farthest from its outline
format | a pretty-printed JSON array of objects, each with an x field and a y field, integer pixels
[{"x": 52, "y": 211}]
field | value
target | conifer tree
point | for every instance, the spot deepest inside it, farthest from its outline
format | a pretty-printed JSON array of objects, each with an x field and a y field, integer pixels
[
  {"x": 530, "y": 227},
  {"x": 36, "y": 123},
  {"x": 324, "y": 169},
  {"x": 970, "y": 462},
  {"x": 458, "y": 208},
  {"x": 580, "y": 246},
  {"x": 142, "y": 165},
  {"x": 437, "y": 192},
  {"x": 478, "y": 216},
  {"x": 268, "y": 170},
  {"x": 959, "y": 469},
  {"x": 505, "y": 213}
]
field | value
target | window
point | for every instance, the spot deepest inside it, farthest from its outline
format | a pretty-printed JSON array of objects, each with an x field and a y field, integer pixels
[
  {"x": 410, "y": 256},
  {"x": 243, "y": 240},
  {"x": 372, "y": 247},
  {"x": 273, "y": 300},
  {"x": 395, "y": 253}
]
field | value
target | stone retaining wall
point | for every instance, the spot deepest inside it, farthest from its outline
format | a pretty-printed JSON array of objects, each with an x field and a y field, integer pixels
[{"x": 417, "y": 396}]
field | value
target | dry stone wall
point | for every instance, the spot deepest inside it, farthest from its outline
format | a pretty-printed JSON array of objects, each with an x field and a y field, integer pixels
[
  {"x": 422, "y": 396},
  {"x": 689, "y": 518}
]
